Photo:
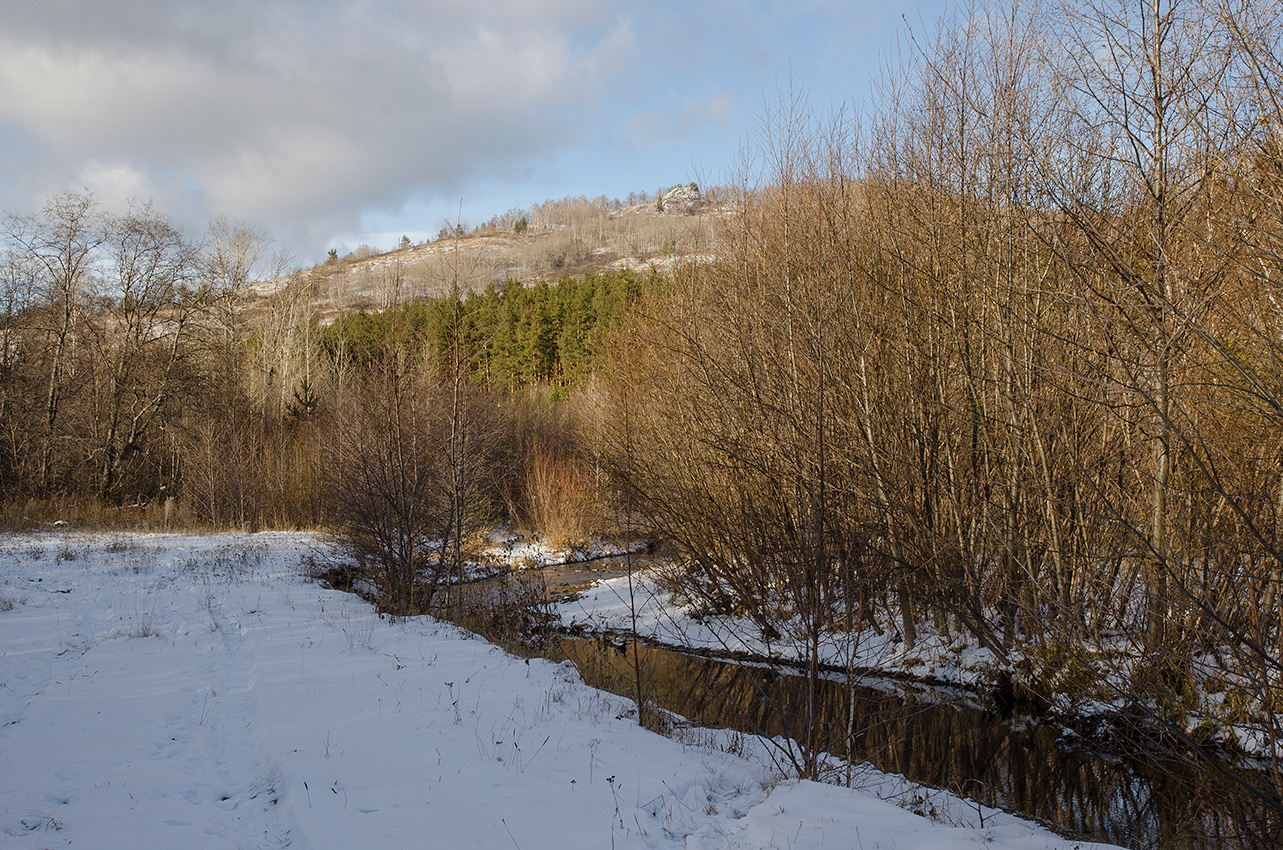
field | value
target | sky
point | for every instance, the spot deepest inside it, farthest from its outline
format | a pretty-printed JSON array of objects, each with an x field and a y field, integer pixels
[{"x": 333, "y": 123}]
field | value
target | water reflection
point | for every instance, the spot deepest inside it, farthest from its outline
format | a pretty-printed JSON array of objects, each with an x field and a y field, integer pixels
[
  {"x": 1014, "y": 764},
  {"x": 945, "y": 741}
]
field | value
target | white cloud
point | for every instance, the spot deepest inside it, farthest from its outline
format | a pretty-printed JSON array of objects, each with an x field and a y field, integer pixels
[
  {"x": 292, "y": 111},
  {"x": 116, "y": 184}
]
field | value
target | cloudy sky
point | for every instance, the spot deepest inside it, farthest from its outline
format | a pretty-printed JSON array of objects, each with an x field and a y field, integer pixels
[{"x": 334, "y": 122}]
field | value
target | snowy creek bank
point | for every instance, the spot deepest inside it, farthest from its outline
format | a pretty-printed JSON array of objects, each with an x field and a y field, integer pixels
[
  {"x": 936, "y": 739},
  {"x": 202, "y": 691},
  {"x": 1080, "y": 782}
]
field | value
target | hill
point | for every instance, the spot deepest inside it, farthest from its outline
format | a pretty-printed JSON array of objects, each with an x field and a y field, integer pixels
[{"x": 550, "y": 241}]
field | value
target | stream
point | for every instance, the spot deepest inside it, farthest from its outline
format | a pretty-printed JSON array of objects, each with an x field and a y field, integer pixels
[{"x": 939, "y": 737}]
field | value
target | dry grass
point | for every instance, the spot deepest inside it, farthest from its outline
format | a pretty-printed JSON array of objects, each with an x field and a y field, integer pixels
[
  {"x": 90, "y": 514},
  {"x": 561, "y": 499},
  {"x": 81, "y": 512}
]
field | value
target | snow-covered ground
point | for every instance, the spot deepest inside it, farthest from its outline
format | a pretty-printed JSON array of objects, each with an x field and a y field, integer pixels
[
  {"x": 511, "y": 549},
  {"x": 202, "y": 692},
  {"x": 610, "y": 606}
]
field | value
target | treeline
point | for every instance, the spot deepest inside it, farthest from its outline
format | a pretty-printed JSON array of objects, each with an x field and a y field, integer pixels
[
  {"x": 511, "y": 336},
  {"x": 114, "y": 329},
  {"x": 1000, "y": 361},
  {"x": 140, "y": 381}
]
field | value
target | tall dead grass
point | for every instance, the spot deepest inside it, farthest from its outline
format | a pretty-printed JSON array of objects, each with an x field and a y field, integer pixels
[
  {"x": 91, "y": 513},
  {"x": 560, "y": 499}
]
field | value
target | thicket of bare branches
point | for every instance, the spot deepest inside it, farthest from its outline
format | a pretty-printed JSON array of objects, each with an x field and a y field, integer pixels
[
  {"x": 403, "y": 478},
  {"x": 1001, "y": 359},
  {"x": 98, "y": 337},
  {"x": 127, "y": 384}
]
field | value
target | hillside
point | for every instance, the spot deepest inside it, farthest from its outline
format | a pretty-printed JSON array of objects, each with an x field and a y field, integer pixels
[{"x": 548, "y": 242}]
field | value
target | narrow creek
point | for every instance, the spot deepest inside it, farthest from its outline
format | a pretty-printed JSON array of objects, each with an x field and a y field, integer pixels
[{"x": 941, "y": 738}]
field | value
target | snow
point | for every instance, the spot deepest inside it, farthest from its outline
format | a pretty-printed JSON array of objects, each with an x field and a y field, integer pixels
[
  {"x": 606, "y": 607},
  {"x": 511, "y": 549},
  {"x": 202, "y": 692}
]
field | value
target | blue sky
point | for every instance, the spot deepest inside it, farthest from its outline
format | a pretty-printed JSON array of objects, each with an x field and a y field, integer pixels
[{"x": 329, "y": 123}]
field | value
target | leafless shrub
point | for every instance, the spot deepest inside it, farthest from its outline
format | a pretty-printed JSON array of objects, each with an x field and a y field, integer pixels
[
  {"x": 386, "y": 485},
  {"x": 511, "y": 609},
  {"x": 404, "y": 483}
]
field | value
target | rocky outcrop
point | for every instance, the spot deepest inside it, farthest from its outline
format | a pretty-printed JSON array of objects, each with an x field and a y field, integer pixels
[{"x": 681, "y": 200}]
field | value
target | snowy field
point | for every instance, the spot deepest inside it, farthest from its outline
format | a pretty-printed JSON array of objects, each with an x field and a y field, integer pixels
[{"x": 202, "y": 692}]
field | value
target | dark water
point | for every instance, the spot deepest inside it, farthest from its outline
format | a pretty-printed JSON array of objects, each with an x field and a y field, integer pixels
[{"x": 948, "y": 740}]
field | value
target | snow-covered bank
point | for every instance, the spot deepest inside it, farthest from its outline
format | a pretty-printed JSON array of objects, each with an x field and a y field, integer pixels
[
  {"x": 957, "y": 661},
  {"x": 610, "y": 606},
  {"x": 200, "y": 691},
  {"x": 511, "y": 549}
]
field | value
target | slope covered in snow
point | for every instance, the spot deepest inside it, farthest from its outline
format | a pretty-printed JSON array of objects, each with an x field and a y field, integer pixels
[{"x": 202, "y": 692}]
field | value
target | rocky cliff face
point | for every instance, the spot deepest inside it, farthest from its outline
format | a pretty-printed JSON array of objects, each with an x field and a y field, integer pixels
[{"x": 683, "y": 200}]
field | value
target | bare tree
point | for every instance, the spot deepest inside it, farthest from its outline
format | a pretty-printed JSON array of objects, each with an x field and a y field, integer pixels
[
  {"x": 141, "y": 336},
  {"x": 1136, "y": 83},
  {"x": 387, "y": 483},
  {"x": 58, "y": 246}
]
